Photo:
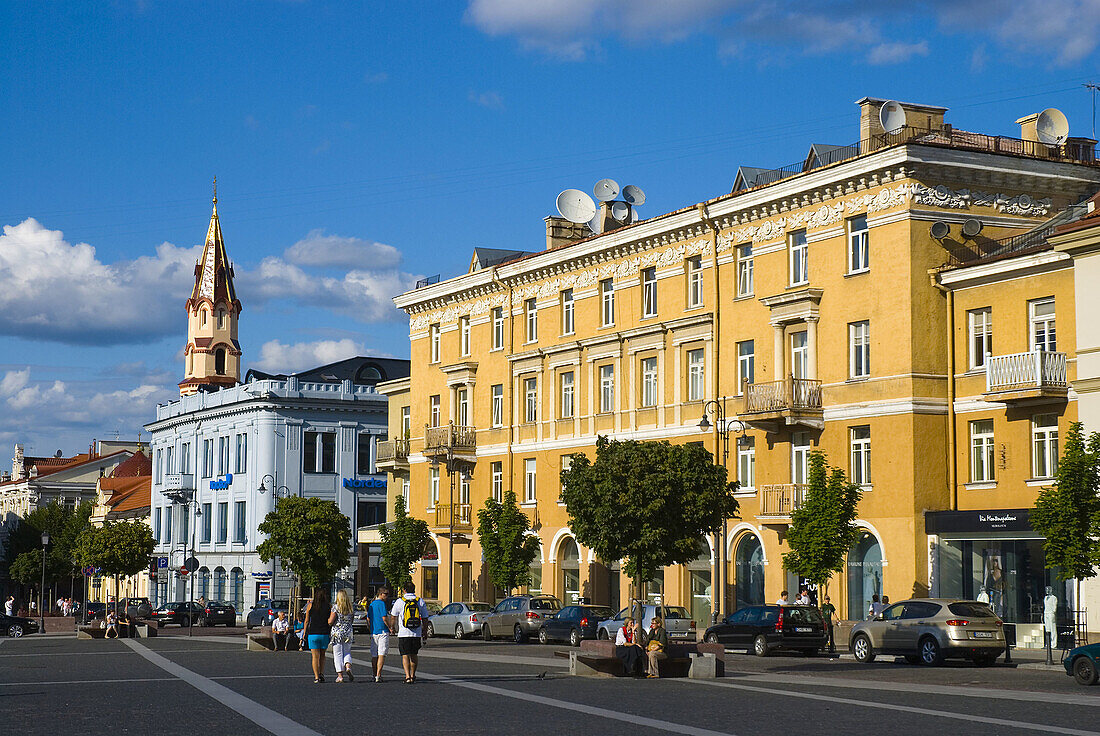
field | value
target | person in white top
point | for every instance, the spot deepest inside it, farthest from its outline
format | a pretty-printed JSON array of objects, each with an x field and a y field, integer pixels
[
  {"x": 280, "y": 629},
  {"x": 9, "y": 605},
  {"x": 783, "y": 599},
  {"x": 409, "y": 613},
  {"x": 803, "y": 598}
]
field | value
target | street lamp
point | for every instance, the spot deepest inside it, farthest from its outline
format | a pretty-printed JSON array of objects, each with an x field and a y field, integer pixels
[
  {"x": 42, "y": 590},
  {"x": 452, "y": 463},
  {"x": 722, "y": 428},
  {"x": 277, "y": 492},
  {"x": 191, "y": 563}
]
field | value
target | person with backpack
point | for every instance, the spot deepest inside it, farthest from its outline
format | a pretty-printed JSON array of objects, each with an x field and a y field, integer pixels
[{"x": 409, "y": 612}]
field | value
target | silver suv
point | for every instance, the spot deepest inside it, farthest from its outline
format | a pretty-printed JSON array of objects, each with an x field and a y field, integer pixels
[
  {"x": 518, "y": 616},
  {"x": 929, "y": 630},
  {"x": 678, "y": 622}
]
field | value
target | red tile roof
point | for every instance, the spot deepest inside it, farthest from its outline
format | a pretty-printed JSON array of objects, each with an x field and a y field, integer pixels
[
  {"x": 127, "y": 493},
  {"x": 137, "y": 464}
]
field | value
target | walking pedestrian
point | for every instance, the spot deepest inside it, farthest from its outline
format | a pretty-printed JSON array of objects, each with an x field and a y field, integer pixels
[
  {"x": 655, "y": 648},
  {"x": 409, "y": 611},
  {"x": 783, "y": 599},
  {"x": 316, "y": 633},
  {"x": 341, "y": 620},
  {"x": 828, "y": 615},
  {"x": 875, "y": 608},
  {"x": 111, "y": 623},
  {"x": 280, "y": 631},
  {"x": 378, "y": 613}
]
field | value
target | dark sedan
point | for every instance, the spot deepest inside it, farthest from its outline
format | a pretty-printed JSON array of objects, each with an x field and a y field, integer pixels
[
  {"x": 219, "y": 612},
  {"x": 761, "y": 630},
  {"x": 264, "y": 612},
  {"x": 1081, "y": 664},
  {"x": 16, "y": 626},
  {"x": 574, "y": 623},
  {"x": 179, "y": 613}
]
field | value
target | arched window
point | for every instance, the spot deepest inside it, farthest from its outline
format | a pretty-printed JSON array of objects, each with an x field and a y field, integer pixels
[
  {"x": 202, "y": 317},
  {"x": 368, "y": 374},
  {"x": 219, "y": 361},
  {"x": 236, "y": 580},
  {"x": 219, "y": 584},
  {"x": 221, "y": 319},
  {"x": 204, "y": 583},
  {"x": 864, "y": 574},
  {"x": 749, "y": 572},
  {"x": 190, "y": 362},
  {"x": 570, "y": 571}
]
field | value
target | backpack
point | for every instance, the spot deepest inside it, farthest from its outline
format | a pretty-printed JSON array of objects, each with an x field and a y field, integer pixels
[{"x": 410, "y": 616}]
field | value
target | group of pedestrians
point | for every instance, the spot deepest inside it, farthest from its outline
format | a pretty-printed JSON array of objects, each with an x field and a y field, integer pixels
[
  {"x": 328, "y": 624},
  {"x": 640, "y": 651}
]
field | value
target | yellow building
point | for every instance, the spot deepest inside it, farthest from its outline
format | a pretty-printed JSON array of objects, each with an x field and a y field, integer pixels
[
  {"x": 122, "y": 496},
  {"x": 811, "y": 303}
]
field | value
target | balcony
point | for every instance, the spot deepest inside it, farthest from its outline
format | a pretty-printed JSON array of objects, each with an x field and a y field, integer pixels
[
  {"x": 778, "y": 502},
  {"x": 460, "y": 513},
  {"x": 774, "y": 405},
  {"x": 451, "y": 440},
  {"x": 1024, "y": 378},
  {"x": 392, "y": 455}
]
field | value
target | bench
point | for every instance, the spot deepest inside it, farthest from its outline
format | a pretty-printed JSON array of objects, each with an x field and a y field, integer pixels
[
  {"x": 687, "y": 659},
  {"x": 143, "y": 630},
  {"x": 264, "y": 641}
]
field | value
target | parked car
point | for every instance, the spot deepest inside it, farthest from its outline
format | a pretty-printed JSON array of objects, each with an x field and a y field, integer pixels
[
  {"x": 95, "y": 610},
  {"x": 574, "y": 623},
  {"x": 518, "y": 616},
  {"x": 264, "y": 612},
  {"x": 17, "y": 626},
  {"x": 219, "y": 612},
  {"x": 458, "y": 619},
  {"x": 761, "y": 630},
  {"x": 433, "y": 607},
  {"x": 180, "y": 613},
  {"x": 929, "y": 630},
  {"x": 136, "y": 608},
  {"x": 1081, "y": 664},
  {"x": 678, "y": 622}
]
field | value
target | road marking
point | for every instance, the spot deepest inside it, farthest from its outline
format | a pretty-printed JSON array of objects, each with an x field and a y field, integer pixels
[
  {"x": 261, "y": 715},
  {"x": 89, "y": 654},
  {"x": 613, "y": 715},
  {"x": 987, "y": 720},
  {"x": 87, "y": 682}
]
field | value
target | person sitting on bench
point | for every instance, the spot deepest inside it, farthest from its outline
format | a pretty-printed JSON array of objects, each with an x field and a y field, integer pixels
[{"x": 630, "y": 647}]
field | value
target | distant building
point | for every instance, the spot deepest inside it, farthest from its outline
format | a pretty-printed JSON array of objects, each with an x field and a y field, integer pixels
[{"x": 122, "y": 496}]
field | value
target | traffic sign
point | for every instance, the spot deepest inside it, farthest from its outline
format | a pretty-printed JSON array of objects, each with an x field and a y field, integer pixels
[{"x": 191, "y": 564}]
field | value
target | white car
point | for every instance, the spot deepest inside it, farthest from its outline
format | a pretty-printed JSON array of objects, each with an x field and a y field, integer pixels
[{"x": 458, "y": 619}]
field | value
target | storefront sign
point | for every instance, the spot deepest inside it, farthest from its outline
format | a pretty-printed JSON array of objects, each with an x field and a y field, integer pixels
[
  {"x": 993, "y": 520},
  {"x": 354, "y": 483},
  {"x": 262, "y": 575},
  {"x": 222, "y": 484}
]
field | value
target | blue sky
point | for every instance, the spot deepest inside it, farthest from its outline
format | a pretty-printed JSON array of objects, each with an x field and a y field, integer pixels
[{"x": 360, "y": 145}]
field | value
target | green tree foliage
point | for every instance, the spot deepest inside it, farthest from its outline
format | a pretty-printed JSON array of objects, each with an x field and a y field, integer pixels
[
  {"x": 649, "y": 503},
  {"x": 507, "y": 547},
  {"x": 121, "y": 548},
  {"x": 310, "y": 535},
  {"x": 403, "y": 542},
  {"x": 1066, "y": 513},
  {"x": 822, "y": 529},
  {"x": 27, "y": 569},
  {"x": 63, "y": 525}
]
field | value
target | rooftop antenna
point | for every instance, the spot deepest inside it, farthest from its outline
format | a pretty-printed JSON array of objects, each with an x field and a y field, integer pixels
[
  {"x": 1094, "y": 88},
  {"x": 576, "y": 206},
  {"x": 1052, "y": 127},
  {"x": 891, "y": 116},
  {"x": 606, "y": 190}
]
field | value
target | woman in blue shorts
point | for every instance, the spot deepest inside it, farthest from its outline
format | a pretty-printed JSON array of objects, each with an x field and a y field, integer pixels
[{"x": 316, "y": 632}]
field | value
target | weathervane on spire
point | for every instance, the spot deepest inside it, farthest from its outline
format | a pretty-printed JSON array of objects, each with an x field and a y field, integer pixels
[{"x": 215, "y": 190}]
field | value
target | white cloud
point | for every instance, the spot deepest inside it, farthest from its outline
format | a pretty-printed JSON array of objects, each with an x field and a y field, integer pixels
[
  {"x": 277, "y": 357},
  {"x": 492, "y": 100},
  {"x": 896, "y": 52},
  {"x": 318, "y": 249}
]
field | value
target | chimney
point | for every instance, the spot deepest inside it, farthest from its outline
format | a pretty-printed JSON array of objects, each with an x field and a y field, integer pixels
[
  {"x": 1028, "y": 131},
  {"x": 560, "y": 231}
]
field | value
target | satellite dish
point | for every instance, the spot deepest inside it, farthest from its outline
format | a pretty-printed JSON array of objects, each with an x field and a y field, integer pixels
[
  {"x": 633, "y": 195},
  {"x": 940, "y": 229},
  {"x": 606, "y": 190},
  {"x": 576, "y": 206},
  {"x": 892, "y": 116},
  {"x": 596, "y": 223},
  {"x": 1051, "y": 127},
  {"x": 971, "y": 227},
  {"x": 620, "y": 211}
]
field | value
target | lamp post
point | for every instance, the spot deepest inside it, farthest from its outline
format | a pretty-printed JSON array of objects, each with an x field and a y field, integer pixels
[
  {"x": 277, "y": 492},
  {"x": 722, "y": 428},
  {"x": 190, "y": 564},
  {"x": 42, "y": 590},
  {"x": 452, "y": 463}
]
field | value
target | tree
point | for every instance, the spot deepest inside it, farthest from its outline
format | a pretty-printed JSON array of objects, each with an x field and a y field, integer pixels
[
  {"x": 403, "y": 542},
  {"x": 1067, "y": 513},
  {"x": 822, "y": 529},
  {"x": 311, "y": 536},
  {"x": 507, "y": 547},
  {"x": 25, "y": 541},
  {"x": 121, "y": 548},
  {"x": 646, "y": 502}
]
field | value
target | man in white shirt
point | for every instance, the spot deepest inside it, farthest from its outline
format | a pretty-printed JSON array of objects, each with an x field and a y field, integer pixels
[
  {"x": 409, "y": 613},
  {"x": 783, "y": 599},
  {"x": 9, "y": 606},
  {"x": 803, "y": 598},
  {"x": 280, "y": 628}
]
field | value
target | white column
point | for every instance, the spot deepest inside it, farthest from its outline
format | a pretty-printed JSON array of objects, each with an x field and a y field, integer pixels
[
  {"x": 811, "y": 347},
  {"x": 780, "y": 353}
]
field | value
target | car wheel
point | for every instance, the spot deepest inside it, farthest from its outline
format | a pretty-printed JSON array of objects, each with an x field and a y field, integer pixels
[
  {"x": 247, "y": 625},
  {"x": 912, "y": 659},
  {"x": 430, "y": 630},
  {"x": 459, "y": 633},
  {"x": 185, "y": 622},
  {"x": 15, "y": 631},
  {"x": 543, "y": 638},
  {"x": 602, "y": 634},
  {"x": 711, "y": 638},
  {"x": 930, "y": 653},
  {"x": 518, "y": 635},
  {"x": 760, "y": 646},
  {"x": 485, "y": 633},
  {"x": 1084, "y": 671},
  {"x": 575, "y": 638},
  {"x": 862, "y": 649}
]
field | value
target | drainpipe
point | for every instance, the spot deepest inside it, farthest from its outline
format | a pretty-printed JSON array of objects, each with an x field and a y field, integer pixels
[{"x": 952, "y": 459}]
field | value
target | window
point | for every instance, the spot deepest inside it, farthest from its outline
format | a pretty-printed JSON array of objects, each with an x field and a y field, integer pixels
[
  {"x": 532, "y": 320},
  {"x": 531, "y": 400},
  {"x": 238, "y": 536},
  {"x": 464, "y": 335},
  {"x": 433, "y": 485},
  {"x": 696, "y": 375},
  {"x": 744, "y": 270},
  {"x": 242, "y": 453},
  {"x": 156, "y": 524},
  {"x": 800, "y": 355},
  {"x": 981, "y": 451},
  {"x": 167, "y": 524},
  {"x": 497, "y": 392},
  {"x": 223, "y": 521},
  {"x": 405, "y": 491},
  {"x": 207, "y": 458},
  {"x": 498, "y": 328},
  {"x": 566, "y": 463},
  {"x": 799, "y": 272},
  {"x": 320, "y": 452},
  {"x": 607, "y": 303},
  {"x": 433, "y": 411},
  {"x": 567, "y": 312},
  {"x": 857, "y": 244},
  {"x": 746, "y": 463},
  {"x": 567, "y": 395},
  {"x": 362, "y": 453},
  {"x": 800, "y": 457},
  {"x": 860, "y": 470},
  {"x": 859, "y": 349},
  {"x": 695, "y": 282},
  {"x": 406, "y": 422},
  {"x": 223, "y": 455},
  {"x": 981, "y": 335},
  {"x": 170, "y": 460},
  {"x": 1044, "y": 443},
  {"x": 185, "y": 525},
  {"x": 1043, "y": 333},
  {"x": 219, "y": 361},
  {"x": 529, "y": 495},
  {"x": 158, "y": 466},
  {"x": 649, "y": 292},
  {"x": 746, "y": 363},
  {"x": 496, "y": 471},
  {"x": 462, "y": 397},
  {"x": 607, "y": 388},
  {"x": 207, "y": 522},
  {"x": 185, "y": 458},
  {"x": 202, "y": 317},
  {"x": 649, "y": 382},
  {"x": 433, "y": 337}
]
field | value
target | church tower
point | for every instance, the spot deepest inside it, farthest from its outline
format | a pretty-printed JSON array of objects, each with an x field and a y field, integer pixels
[{"x": 212, "y": 356}]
